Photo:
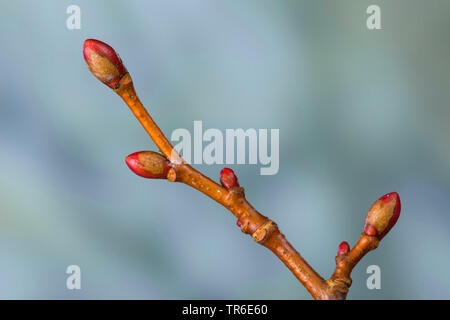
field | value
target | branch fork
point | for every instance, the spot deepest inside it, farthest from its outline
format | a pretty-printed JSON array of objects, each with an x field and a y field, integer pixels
[{"x": 106, "y": 65}]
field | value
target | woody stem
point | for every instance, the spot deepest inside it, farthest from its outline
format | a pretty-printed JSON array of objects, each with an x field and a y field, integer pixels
[
  {"x": 346, "y": 263},
  {"x": 263, "y": 230},
  {"x": 128, "y": 94}
]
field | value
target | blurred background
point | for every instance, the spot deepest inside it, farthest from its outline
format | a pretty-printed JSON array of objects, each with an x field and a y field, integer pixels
[{"x": 361, "y": 113}]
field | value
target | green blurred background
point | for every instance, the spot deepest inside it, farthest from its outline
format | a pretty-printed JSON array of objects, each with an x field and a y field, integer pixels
[{"x": 361, "y": 113}]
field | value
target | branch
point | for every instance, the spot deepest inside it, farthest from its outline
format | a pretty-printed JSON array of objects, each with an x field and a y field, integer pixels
[{"x": 107, "y": 66}]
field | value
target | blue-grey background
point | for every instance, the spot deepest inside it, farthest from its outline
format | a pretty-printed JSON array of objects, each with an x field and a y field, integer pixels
[{"x": 361, "y": 113}]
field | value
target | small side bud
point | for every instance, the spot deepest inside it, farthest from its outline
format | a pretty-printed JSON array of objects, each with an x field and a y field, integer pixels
[
  {"x": 238, "y": 223},
  {"x": 148, "y": 164},
  {"x": 228, "y": 179},
  {"x": 172, "y": 175},
  {"x": 104, "y": 62},
  {"x": 344, "y": 248},
  {"x": 383, "y": 215}
]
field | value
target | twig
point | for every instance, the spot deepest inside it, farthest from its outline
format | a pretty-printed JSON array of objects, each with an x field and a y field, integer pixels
[{"x": 107, "y": 66}]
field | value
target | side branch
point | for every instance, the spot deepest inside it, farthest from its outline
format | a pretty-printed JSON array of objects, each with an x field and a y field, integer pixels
[{"x": 340, "y": 281}]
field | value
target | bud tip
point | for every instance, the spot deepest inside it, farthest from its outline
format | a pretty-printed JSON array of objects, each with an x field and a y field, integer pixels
[{"x": 344, "y": 248}]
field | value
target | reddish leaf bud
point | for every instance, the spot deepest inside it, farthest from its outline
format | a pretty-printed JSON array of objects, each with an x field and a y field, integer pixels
[
  {"x": 238, "y": 223},
  {"x": 344, "y": 248},
  {"x": 104, "y": 62},
  {"x": 228, "y": 179},
  {"x": 148, "y": 164},
  {"x": 383, "y": 215}
]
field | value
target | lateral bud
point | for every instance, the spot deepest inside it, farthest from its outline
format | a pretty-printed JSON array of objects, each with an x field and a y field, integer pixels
[
  {"x": 148, "y": 164},
  {"x": 344, "y": 248},
  {"x": 228, "y": 178}
]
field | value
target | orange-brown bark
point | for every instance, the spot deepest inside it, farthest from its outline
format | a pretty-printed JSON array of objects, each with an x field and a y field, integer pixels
[{"x": 263, "y": 230}]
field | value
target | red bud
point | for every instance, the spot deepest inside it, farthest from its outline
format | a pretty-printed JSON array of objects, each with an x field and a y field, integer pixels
[
  {"x": 383, "y": 215},
  {"x": 228, "y": 179},
  {"x": 344, "y": 248},
  {"x": 148, "y": 164},
  {"x": 238, "y": 223},
  {"x": 104, "y": 62}
]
